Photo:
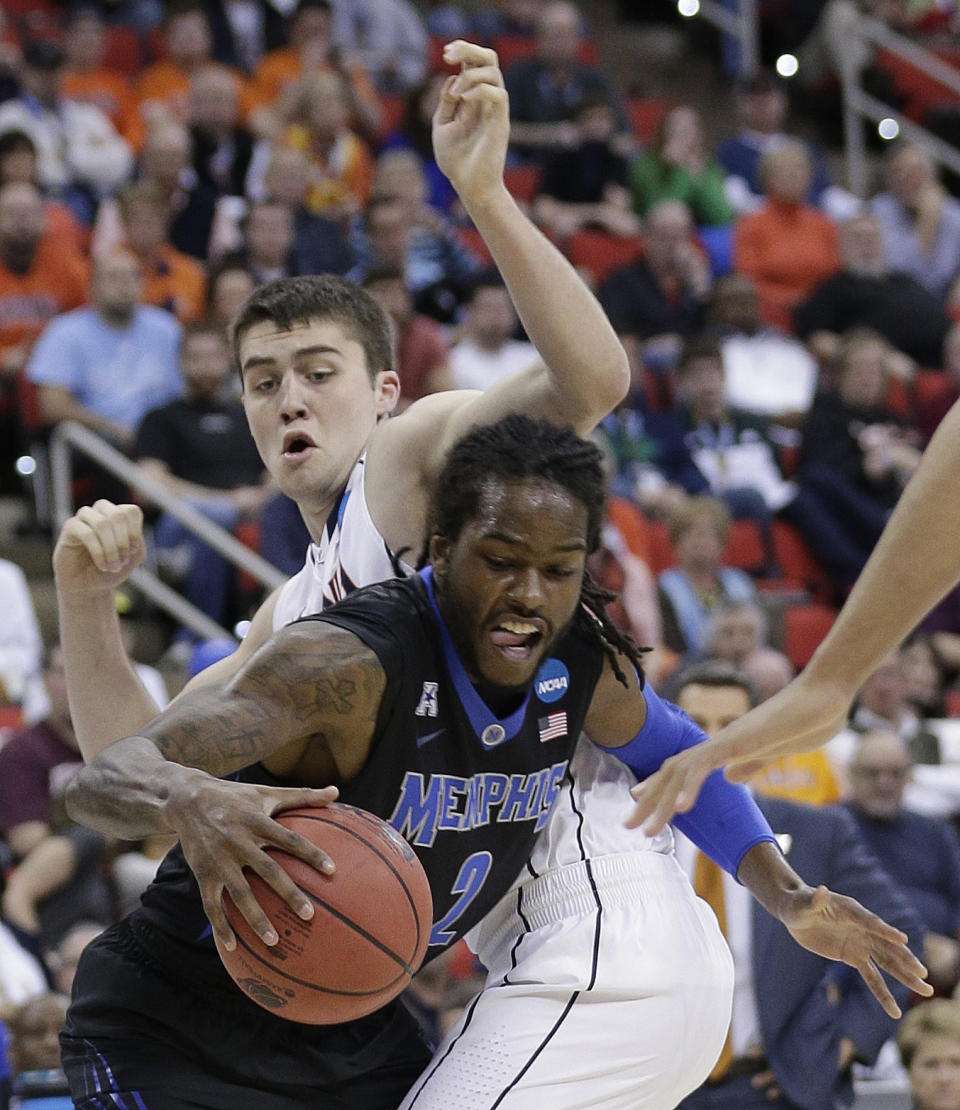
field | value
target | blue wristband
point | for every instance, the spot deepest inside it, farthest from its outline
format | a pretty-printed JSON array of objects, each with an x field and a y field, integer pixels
[{"x": 724, "y": 822}]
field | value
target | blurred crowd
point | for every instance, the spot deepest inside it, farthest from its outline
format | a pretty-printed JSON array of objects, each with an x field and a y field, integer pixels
[{"x": 793, "y": 349}]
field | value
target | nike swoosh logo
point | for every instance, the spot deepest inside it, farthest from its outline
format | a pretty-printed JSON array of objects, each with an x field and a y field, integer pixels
[{"x": 421, "y": 740}]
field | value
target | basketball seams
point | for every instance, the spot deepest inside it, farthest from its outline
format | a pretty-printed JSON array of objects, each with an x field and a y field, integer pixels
[
  {"x": 283, "y": 973},
  {"x": 324, "y": 819},
  {"x": 328, "y": 970}
]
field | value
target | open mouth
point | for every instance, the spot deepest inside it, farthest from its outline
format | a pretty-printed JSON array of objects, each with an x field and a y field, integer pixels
[
  {"x": 296, "y": 445},
  {"x": 516, "y": 639}
]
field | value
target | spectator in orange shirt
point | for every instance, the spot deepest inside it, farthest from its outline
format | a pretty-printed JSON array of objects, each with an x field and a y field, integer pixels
[
  {"x": 788, "y": 247},
  {"x": 309, "y": 51},
  {"x": 163, "y": 87},
  {"x": 18, "y": 164},
  {"x": 39, "y": 278},
  {"x": 171, "y": 279},
  {"x": 341, "y": 163},
  {"x": 86, "y": 78}
]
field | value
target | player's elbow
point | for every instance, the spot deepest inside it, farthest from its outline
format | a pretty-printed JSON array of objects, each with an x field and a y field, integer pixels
[
  {"x": 609, "y": 383},
  {"x": 618, "y": 377}
]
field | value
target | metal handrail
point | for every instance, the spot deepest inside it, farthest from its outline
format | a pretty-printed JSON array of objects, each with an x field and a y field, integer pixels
[
  {"x": 70, "y": 436},
  {"x": 741, "y": 24},
  {"x": 858, "y": 104}
]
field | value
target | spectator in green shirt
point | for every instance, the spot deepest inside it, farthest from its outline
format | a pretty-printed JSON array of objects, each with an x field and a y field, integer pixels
[{"x": 677, "y": 167}]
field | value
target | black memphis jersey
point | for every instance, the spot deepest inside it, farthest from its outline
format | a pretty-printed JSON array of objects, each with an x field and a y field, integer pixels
[{"x": 468, "y": 790}]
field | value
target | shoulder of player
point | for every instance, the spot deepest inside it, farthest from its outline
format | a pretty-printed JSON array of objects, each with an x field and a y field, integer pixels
[
  {"x": 418, "y": 438},
  {"x": 617, "y": 709},
  {"x": 315, "y": 654}
]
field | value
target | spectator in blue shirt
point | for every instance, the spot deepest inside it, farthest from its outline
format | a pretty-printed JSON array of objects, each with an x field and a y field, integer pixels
[{"x": 106, "y": 364}]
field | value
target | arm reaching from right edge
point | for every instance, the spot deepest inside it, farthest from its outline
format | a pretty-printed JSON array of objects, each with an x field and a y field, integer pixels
[
  {"x": 915, "y": 562},
  {"x": 726, "y": 823}
]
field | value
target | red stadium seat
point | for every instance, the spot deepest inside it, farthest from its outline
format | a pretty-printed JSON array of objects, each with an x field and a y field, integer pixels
[
  {"x": 929, "y": 386},
  {"x": 122, "y": 50},
  {"x": 898, "y": 397},
  {"x": 662, "y": 554},
  {"x": 645, "y": 114},
  {"x": 804, "y": 627},
  {"x": 473, "y": 239},
  {"x": 952, "y": 703},
  {"x": 601, "y": 252},
  {"x": 511, "y": 48},
  {"x": 745, "y": 547},
  {"x": 796, "y": 561},
  {"x": 156, "y": 44},
  {"x": 29, "y": 9},
  {"x": 920, "y": 90},
  {"x": 392, "y": 107},
  {"x": 249, "y": 533},
  {"x": 522, "y": 182}
]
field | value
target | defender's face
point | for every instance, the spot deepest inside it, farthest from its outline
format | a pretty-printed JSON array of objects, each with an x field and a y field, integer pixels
[
  {"x": 509, "y": 585},
  {"x": 311, "y": 404}
]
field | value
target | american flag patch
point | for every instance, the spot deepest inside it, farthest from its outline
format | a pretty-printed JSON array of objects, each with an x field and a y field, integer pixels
[{"x": 553, "y": 726}]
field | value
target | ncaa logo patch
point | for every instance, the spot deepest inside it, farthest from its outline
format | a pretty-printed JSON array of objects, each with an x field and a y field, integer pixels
[{"x": 552, "y": 681}]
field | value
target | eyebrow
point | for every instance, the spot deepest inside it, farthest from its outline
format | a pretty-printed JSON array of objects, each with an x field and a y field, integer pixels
[
  {"x": 301, "y": 352},
  {"x": 516, "y": 541}
]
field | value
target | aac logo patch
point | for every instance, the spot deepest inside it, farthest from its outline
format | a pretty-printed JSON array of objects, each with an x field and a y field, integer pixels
[{"x": 552, "y": 681}]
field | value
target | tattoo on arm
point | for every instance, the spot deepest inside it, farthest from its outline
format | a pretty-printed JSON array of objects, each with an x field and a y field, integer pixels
[{"x": 313, "y": 681}]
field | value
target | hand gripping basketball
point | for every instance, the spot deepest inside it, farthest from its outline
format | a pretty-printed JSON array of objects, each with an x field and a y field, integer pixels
[{"x": 368, "y": 934}]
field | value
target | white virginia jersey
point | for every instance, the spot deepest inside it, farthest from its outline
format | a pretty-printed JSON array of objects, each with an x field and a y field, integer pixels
[
  {"x": 586, "y": 822},
  {"x": 594, "y": 798},
  {"x": 351, "y": 553},
  {"x": 588, "y": 815}
]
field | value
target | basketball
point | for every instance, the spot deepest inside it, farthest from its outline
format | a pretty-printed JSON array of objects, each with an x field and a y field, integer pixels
[{"x": 368, "y": 934}]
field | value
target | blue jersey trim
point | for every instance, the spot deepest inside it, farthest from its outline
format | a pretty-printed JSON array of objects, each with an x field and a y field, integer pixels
[
  {"x": 724, "y": 822},
  {"x": 477, "y": 710}
]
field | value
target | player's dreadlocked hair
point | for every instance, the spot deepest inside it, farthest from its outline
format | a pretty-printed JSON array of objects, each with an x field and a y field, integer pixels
[{"x": 517, "y": 448}]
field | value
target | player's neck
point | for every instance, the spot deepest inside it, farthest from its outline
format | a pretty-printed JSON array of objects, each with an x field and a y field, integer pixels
[{"x": 316, "y": 511}]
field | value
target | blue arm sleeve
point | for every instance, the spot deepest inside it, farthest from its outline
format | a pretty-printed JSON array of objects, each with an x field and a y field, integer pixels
[{"x": 725, "y": 822}]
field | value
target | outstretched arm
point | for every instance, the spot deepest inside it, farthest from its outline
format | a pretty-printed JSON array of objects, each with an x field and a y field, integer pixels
[
  {"x": 913, "y": 565},
  {"x": 311, "y": 694},
  {"x": 97, "y": 549},
  {"x": 726, "y": 823},
  {"x": 586, "y": 372}
]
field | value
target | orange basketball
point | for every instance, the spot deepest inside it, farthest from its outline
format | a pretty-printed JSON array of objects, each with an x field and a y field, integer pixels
[{"x": 368, "y": 934}]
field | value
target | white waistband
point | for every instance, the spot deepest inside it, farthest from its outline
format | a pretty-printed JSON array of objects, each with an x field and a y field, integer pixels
[{"x": 565, "y": 893}]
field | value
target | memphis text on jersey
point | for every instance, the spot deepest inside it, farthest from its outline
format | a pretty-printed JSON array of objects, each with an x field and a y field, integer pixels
[{"x": 433, "y": 803}]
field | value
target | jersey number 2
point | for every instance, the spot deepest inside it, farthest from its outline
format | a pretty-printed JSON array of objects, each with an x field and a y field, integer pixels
[{"x": 467, "y": 884}]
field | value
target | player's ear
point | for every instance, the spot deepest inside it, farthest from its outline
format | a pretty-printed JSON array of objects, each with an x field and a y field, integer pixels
[
  {"x": 386, "y": 387},
  {"x": 439, "y": 550}
]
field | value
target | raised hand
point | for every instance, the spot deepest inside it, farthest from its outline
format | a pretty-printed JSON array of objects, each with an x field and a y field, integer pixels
[
  {"x": 224, "y": 828},
  {"x": 839, "y": 928},
  {"x": 471, "y": 126},
  {"x": 98, "y": 547}
]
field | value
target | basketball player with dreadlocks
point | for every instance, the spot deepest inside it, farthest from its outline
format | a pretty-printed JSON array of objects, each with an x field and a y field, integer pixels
[
  {"x": 314, "y": 356},
  {"x": 480, "y": 670}
]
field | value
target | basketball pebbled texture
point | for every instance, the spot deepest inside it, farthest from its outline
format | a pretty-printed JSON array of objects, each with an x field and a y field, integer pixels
[{"x": 368, "y": 934}]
